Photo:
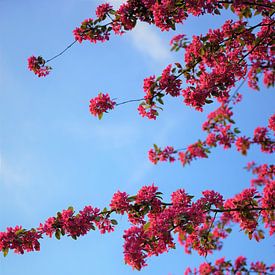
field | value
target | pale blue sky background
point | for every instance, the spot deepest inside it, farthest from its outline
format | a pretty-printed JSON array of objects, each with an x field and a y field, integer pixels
[{"x": 55, "y": 154}]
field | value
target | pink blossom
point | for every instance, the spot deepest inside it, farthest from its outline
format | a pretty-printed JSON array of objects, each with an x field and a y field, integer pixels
[
  {"x": 37, "y": 65},
  {"x": 101, "y": 104}
]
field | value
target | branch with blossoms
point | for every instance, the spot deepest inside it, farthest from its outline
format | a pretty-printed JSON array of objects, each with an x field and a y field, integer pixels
[
  {"x": 240, "y": 266},
  {"x": 224, "y": 54},
  {"x": 201, "y": 52},
  {"x": 265, "y": 173},
  {"x": 153, "y": 221},
  {"x": 219, "y": 129},
  {"x": 221, "y": 51},
  {"x": 214, "y": 63}
]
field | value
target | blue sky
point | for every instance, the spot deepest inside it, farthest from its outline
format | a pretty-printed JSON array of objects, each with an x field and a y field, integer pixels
[{"x": 55, "y": 154}]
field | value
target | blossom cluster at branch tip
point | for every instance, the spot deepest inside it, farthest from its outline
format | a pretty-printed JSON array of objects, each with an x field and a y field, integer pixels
[
  {"x": 103, "y": 10},
  {"x": 101, "y": 104},
  {"x": 37, "y": 65},
  {"x": 155, "y": 155}
]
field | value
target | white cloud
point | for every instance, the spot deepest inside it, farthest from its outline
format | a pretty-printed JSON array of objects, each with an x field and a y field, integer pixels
[
  {"x": 10, "y": 175},
  {"x": 146, "y": 40}
]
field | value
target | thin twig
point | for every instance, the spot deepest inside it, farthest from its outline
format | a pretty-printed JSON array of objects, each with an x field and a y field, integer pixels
[
  {"x": 239, "y": 209},
  {"x": 238, "y": 88},
  {"x": 128, "y": 101},
  {"x": 67, "y": 48}
]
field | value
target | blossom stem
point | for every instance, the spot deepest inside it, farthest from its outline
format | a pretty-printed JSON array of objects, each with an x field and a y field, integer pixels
[
  {"x": 67, "y": 48},
  {"x": 128, "y": 101}
]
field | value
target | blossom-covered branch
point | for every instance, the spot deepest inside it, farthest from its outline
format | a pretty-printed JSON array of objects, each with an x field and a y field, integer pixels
[
  {"x": 223, "y": 266},
  {"x": 220, "y": 130},
  {"x": 153, "y": 222}
]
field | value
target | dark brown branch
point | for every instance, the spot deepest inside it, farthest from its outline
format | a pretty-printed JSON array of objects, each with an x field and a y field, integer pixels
[
  {"x": 272, "y": 6},
  {"x": 239, "y": 209}
]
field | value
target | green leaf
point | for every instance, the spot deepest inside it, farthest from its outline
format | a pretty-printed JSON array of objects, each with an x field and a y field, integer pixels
[
  {"x": 92, "y": 227},
  {"x": 62, "y": 232},
  {"x": 160, "y": 101},
  {"x": 97, "y": 219},
  {"x": 257, "y": 197},
  {"x": 5, "y": 251},
  {"x": 226, "y": 5},
  {"x": 261, "y": 234},
  {"x": 100, "y": 116},
  {"x": 114, "y": 222},
  {"x": 18, "y": 232},
  {"x": 132, "y": 198},
  {"x": 174, "y": 48},
  {"x": 236, "y": 131},
  {"x": 189, "y": 229},
  {"x": 155, "y": 147},
  {"x": 208, "y": 101},
  {"x": 159, "y": 78},
  {"x": 146, "y": 226},
  {"x": 57, "y": 234},
  {"x": 228, "y": 230}
]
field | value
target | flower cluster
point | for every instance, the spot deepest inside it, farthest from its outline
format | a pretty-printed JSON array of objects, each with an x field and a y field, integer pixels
[
  {"x": 214, "y": 63},
  {"x": 37, "y": 65},
  {"x": 248, "y": 220},
  {"x": 178, "y": 41},
  {"x": 220, "y": 131},
  {"x": 268, "y": 199},
  {"x": 271, "y": 123},
  {"x": 101, "y": 104},
  {"x": 19, "y": 240},
  {"x": 156, "y": 88},
  {"x": 89, "y": 30},
  {"x": 157, "y": 154},
  {"x": 120, "y": 202},
  {"x": 240, "y": 266},
  {"x": 261, "y": 137},
  {"x": 67, "y": 223},
  {"x": 242, "y": 144},
  {"x": 103, "y": 10},
  {"x": 265, "y": 173},
  {"x": 262, "y": 56},
  {"x": 154, "y": 222}
]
